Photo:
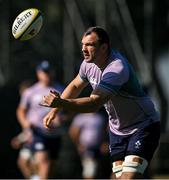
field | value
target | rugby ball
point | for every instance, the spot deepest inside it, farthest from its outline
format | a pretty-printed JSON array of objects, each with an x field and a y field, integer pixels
[{"x": 27, "y": 24}]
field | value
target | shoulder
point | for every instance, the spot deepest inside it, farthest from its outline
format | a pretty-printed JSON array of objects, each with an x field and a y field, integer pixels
[
  {"x": 87, "y": 69},
  {"x": 30, "y": 90},
  {"x": 115, "y": 54},
  {"x": 116, "y": 66},
  {"x": 117, "y": 63}
]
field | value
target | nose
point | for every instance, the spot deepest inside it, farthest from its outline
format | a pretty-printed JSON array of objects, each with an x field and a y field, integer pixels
[{"x": 83, "y": 48}]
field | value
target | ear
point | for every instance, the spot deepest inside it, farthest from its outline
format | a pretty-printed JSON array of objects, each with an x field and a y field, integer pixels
[{"x": 104, "y": 47}]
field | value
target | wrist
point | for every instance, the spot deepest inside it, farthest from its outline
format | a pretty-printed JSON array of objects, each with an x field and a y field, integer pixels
[
  {"x": 57, "y": 103},
  {"x": 55, "y": 110},
  {"x": 26, "y": 126},
  {"x": 28, "y": 129}
]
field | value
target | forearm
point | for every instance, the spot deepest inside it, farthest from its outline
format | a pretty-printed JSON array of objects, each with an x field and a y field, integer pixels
[
  {"x": 71, "y": 91},
  {"x": 24, "y": 123},
  {"x": 22, "y": 119},
  {"x": 83, "y": 105}
]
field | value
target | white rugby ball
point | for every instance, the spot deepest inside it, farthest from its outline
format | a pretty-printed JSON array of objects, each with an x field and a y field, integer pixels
[{"x": 27, "y": 24}]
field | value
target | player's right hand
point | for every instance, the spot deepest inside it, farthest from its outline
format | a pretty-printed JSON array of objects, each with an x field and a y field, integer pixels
[{"x": 49, "y": 118}]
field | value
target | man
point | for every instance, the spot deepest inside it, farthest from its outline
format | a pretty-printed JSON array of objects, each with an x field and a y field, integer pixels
[
  {"x": 133, "y": 121},
  {"x": 87, "y": 132},
  {"x": 43, "y": 144}
]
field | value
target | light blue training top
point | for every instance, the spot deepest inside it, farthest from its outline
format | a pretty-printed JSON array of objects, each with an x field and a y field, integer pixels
[{"x": 129, "y": 108}]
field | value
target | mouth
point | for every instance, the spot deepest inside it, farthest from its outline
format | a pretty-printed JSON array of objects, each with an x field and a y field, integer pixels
[{"x": 86, "y": 55}]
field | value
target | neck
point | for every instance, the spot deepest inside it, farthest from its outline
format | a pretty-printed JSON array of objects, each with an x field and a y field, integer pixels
[
  {"x": 103, "y": 61},
  {"x": 43, "y": 84}
]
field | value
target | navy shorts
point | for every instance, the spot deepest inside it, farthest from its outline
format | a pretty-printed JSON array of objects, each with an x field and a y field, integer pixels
[
  {"x": 142, "y": 143},
  {"x": 41, "y": 142},
  {"x": 92, "y": 152}
]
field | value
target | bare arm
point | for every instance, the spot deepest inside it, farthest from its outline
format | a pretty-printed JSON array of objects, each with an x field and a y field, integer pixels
[
  {"x": 71, "y": 91},
  {"x": 85, "y": 105},
  {"x": 74, "y": 88},
  {"x": 21, "y": 111}
]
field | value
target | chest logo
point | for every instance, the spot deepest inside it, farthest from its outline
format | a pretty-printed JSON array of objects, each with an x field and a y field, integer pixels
[
  {"x": 93, "y": 81},
  {"x": 137, "y": 144}
]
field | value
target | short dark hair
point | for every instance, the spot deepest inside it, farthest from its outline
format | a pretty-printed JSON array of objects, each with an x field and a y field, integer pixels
[
  {"x": 101, "y": 33},
  {"x": 44, "y": 66}
]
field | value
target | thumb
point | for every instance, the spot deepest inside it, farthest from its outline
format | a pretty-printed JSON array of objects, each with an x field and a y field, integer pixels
[{"x": 54, "y": 92}]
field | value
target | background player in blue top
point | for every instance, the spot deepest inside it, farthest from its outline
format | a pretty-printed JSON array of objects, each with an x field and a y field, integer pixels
[{"x": 133, "y": 120}]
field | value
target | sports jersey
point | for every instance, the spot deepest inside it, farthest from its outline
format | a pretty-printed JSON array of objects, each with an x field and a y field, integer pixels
[
  {"x": 91, "y": 129},
  {"x": 35, "y": 113},
  {"x": 129, "y": 108}
]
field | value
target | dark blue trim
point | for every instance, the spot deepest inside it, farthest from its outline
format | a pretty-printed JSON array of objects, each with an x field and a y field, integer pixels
[{"x": 109, "y": 87}]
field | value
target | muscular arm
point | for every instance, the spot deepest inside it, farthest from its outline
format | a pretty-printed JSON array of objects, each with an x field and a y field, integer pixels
[
  {"x": 86, "y": 104},
  {"x": 72, "y": 90},
  {"x": 68, "y": 100}
]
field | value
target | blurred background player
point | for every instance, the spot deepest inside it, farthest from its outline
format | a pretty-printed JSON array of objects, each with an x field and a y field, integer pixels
[
  {"x": 25, "y": 156},
  {"x": 43, "y": 144},
  {"x": 87, "y": 132}
]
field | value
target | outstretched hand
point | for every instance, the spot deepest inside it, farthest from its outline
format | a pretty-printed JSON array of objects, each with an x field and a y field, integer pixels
[
  {"x": 51, "y": 116},
  {"x": 51, "y": 100}
]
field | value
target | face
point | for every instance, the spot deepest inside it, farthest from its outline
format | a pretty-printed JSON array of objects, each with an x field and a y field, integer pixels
[
  {"x": 91, "y": 48},
  {"x": 43, "y": 77}
]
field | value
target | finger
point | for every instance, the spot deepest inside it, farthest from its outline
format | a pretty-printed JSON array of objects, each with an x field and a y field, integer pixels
[
  {"x": 46, "y": 124},
  {"x": 45, "y": 102},
  {"x": 54, "y": 93},
  {"x": 47, "y": 127},
  {"x": 44, "y": 97},
  {"x": 44, "y": 105}
]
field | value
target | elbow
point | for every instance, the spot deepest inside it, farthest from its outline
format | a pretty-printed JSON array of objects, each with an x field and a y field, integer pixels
[{"x": 96, "y": 104}]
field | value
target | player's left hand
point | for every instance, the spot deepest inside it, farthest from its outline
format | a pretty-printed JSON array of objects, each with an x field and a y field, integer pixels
[{"x": 51, "y": 100}]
